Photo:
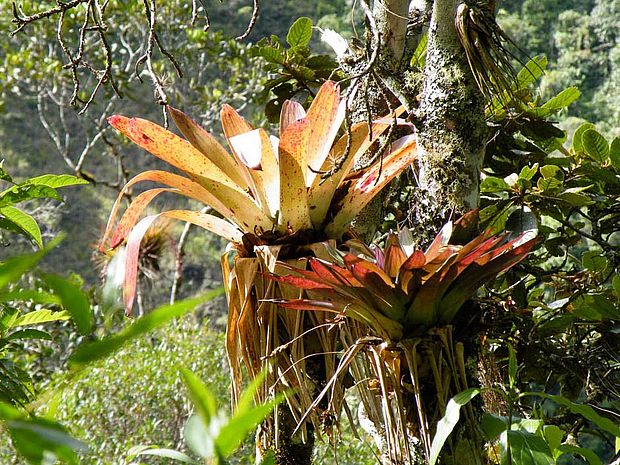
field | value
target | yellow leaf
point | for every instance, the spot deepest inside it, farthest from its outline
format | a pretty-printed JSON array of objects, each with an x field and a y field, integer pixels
[
  {"x": 208, "y": 145},
  {"x": 294, "y": 212},
  {"x": 403, "y": 152},
  {"x": 325, "y": 116}
]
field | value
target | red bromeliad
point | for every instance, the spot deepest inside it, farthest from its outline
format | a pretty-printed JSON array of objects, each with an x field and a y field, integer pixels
[{"x": 399, "y": 291}]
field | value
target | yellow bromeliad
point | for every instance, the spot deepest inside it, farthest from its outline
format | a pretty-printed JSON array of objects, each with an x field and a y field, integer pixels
[{"x": 267, "y": 189}]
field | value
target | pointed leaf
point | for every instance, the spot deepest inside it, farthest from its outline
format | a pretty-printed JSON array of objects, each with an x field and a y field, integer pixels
[
  {"x": 322, "y": 190},
  {"x": 290, "y": 113},
  {"x": 184, "y": 185},
  {"x": 56, "y": 181},
  {"x": 325, "y": 116},
  {"x": 73, "y": 301},
  {"x": 89, "y": 352},
  {"x": 24, "y": 222},
  {"x": 403, "y": 153},
  {"x": 449, "y": 421},
  {"x": 523, "y": 448},
  {"x": 170, "y": 148},
  {"x": 132, "y": 254},
  {"x": 208, "y": 146},
  {"x": 202, "y": 398},
  {"x": 294, "y": 212},
  {"x": 37, "y": 317}
]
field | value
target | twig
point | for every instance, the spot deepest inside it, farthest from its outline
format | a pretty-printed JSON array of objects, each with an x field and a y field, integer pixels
[{"x": 253, "y": 19}]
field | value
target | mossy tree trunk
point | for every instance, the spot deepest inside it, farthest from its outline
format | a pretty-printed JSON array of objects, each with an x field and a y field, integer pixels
[{"x": 452, "y": 133}]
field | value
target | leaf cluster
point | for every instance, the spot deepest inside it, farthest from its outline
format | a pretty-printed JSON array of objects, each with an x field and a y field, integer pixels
[{"x": 296, "y": 72}]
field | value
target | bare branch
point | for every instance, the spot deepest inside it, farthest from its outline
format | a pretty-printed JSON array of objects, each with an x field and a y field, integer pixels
[{"x": 253, "y": 19}]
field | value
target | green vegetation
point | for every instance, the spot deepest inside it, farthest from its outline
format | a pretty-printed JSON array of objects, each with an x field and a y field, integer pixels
[{"x": 495, "y": 338}]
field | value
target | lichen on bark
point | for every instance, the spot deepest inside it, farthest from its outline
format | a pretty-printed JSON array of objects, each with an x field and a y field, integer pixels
[{"x": 452, "y": 129}]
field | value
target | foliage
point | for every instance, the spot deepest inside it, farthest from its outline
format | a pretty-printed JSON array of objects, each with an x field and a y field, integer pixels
[
  {"x": 41, "y": 187},
  {"x": 267, "y": 195},
  {"x": 210, "y": 433},
  {"x": 523, "y": 440},
  {"x": 297, "y": 72},
  {"x": 399, "y": 291}
]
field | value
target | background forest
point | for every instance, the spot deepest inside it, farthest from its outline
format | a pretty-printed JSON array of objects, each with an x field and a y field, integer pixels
[{"x": 136, "y": 396}]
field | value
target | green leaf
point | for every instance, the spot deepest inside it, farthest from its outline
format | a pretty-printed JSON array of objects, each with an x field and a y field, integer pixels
[
  {"x": 203, "y": 399},
  {"x": 241, "y": 424},
  {"x": 594, "y": 261},
  {"x": 20, "y": 193},
  {"x": 512, "y": 366},
  {"x": 614, "y": 153},
  {"x": 419, "y": 56},
  {"x": 23, "y": 295},
  {"x": 577, "y": 137},
  {"x": 562, "y": 100},
  {"x": 55, "y": 180},
  {"x": 37, "y": 439},
  {"x": 576, "y": 200},
  {"x": 522, "y": 448},
  {"x": 528, "y": 173},
  {"x": 552, "y": 171},
  {"x": 532, "y": 71},
  {"x": 37, "y": 317},
  {"x": 12, "y": 269},
  {"x": 94, "y": 351},
  {"x": 595, "y": 145},
  {"x": 449, "y": 421},
  {"x": 553, "y": 435},
  {"x": 300, "y": 32},
  {"x": 587, "y": 454},
  {"x": 29, "y": 334},
  {"x": 24, "y": 222},
  {"x": 492, "y": 184},
  {"x": 615, "y": 282},
  {"x": 581, "y": 409},
  {"x": 492, "y": 426},
  {"x": 73, "y": 300},
  {"x": 548, "y": 185},
  {"x": 270, "y": 54}
]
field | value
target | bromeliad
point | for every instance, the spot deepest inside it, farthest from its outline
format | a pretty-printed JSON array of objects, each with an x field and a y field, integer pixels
[
  {"x": 297, "y": 188},
  {"x": 399, "y": 291}
]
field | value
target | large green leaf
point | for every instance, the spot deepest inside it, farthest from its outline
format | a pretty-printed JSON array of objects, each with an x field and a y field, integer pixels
[
  {"x": 94, "y": 351},
  {"x": 581, "y": 409},
  {"x": 21, "y": 193},
  {"x": 532, "y": 70},
  {"x": 24, "y": 222},
  {"x": 56, "y": 180},
  {"x": 300, "y": 32},
  {"x": 562, "y": 100},
  {"x": 241, "y": 424},
  {"x": 449, "y": 421},
  {"x": 37, "y": 317},
  {"x": 522, "y": 448},
  {"x": 73, "y": 300},
  {"x": 12, "y": 269},
  {"x": 595, "y": 145},
  {"x": 587, "y": 454},
  {"x": 577, "y": 137},
  {"x": 203, "y": 399}
]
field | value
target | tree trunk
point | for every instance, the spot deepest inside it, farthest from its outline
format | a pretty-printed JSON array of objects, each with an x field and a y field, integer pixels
[{"x": 453, "y": 130}]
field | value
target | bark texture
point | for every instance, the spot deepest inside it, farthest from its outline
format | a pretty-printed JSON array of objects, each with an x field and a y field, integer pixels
[{"x": 452, "y": 131}]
